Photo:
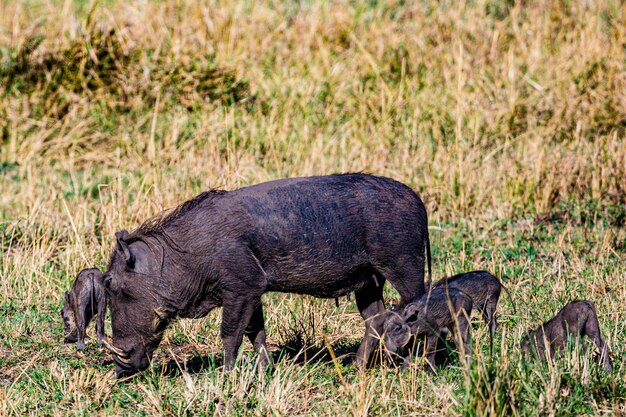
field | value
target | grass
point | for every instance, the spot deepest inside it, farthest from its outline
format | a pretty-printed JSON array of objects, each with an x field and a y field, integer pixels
[{"x": 508, "y": 118}]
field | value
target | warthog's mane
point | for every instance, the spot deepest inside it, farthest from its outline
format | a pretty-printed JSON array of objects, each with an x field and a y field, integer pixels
[
  {"x": 153, "y": 231},
  {"x": 156, "y": 225}
]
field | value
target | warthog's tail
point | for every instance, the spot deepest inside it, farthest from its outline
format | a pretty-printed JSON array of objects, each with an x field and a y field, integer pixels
[
  {"x": 430, "y": 268},
  {"x": 429, "y": 259},
  {"x": 510, "y": 298}
]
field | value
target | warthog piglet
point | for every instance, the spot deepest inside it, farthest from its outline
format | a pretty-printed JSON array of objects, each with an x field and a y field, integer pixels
[
  {"x": 484, "y": 290},
  {"x": 575, "y": 320},
  {"x": 445, "y": 310},
  {"x": 86, "y": 298}
]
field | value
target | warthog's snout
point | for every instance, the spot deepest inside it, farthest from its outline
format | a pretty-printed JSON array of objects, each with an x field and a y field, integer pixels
[
  {"x": 127, "y": 367},
  {"x": 128, "y": 362},
  {"x": 122, "y": 369}
]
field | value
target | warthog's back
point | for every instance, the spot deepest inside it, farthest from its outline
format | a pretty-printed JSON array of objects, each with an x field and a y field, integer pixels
[
  {"x": 329, "y": 230},
  {"x": 312, "y": 235},
  {"x": 479, "y": 285}
]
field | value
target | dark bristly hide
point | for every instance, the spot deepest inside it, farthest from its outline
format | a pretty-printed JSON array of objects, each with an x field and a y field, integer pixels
[{"x": 322, "y": 236}]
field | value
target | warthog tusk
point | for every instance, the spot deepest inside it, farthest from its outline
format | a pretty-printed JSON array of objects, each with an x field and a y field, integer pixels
[
  {"x": 119, "y": 352},
  {"x": 123, "y": 359}
]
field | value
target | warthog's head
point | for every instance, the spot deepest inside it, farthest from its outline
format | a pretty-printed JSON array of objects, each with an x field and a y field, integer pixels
[
  {"x": 136, "y": 318},
  {"x": 397, "y": 332},
  {"x": 527, "y": 346}
]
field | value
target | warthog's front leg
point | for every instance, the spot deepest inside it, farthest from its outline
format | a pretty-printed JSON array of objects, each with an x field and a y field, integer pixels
[
  {"x": 369, "y": 301},
  {"x": 430, "y": 348},
  {"x": 462, "y": 331}
]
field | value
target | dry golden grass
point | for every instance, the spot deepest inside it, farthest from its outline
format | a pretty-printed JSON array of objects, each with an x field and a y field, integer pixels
[{"x": 508, "y": 118}]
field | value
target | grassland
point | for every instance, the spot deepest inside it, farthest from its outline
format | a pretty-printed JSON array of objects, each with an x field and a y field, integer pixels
[{"x": 508, "y": 118}]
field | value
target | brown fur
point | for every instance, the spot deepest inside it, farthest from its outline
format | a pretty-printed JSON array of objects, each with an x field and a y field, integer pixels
[{"x": 574, "y": 321}]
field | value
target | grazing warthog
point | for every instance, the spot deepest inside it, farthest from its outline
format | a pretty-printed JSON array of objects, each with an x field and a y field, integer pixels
[
  {"x": 322, "y": 236},
  {"x": 575, "y": 320},
  {"x": 484, "y": 290},
  {"x": 445, "y": 310},
  {"x": 86, "y": 298}
]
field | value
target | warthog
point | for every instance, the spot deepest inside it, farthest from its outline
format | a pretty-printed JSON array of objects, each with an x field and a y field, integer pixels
[
  {"x": 445, "y": 310},
  {"x": 86, "y": 298},
  {"x": 575, "y": 320},
  {"x": 484, "y": 290},
  {"x": 322, "y": 236}
]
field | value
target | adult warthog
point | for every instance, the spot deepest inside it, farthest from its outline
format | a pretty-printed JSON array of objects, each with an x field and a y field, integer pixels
[{"x": 322, "y": 236}]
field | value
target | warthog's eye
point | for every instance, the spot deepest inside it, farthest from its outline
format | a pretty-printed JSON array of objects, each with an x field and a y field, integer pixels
[
  {"x": 107, "y": 280},
  {"x": 126, "y": 294},
  {"x": 398, "y": 328}
]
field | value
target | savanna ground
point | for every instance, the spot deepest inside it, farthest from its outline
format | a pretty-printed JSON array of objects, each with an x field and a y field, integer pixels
[{"x": 508, "y": 118}]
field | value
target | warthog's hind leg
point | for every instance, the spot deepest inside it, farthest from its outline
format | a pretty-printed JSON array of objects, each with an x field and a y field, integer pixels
[
  {"x": 236, "y": 315},
  {"x": 256, "y": 334}
]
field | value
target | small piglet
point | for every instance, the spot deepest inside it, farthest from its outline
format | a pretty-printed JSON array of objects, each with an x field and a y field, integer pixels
[
  {"x": 434, "y": 316},
  {"x": 575, "y": 320},
  {"x": 87, "y": 297},
  {"x": 484, "y": 290}
]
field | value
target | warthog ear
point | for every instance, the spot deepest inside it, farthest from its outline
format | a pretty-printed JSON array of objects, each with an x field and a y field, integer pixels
[
  {"x": 410, "y": 314},
  {"x": 67, "y": 297},
  {"x": 121, "y": 237}
]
